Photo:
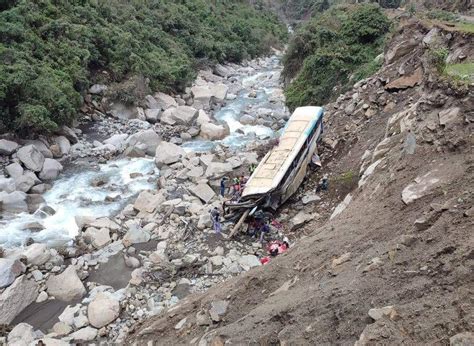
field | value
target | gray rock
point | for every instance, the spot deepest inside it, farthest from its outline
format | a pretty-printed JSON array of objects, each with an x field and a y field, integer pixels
[
  {"x": 43, "y": 149},
  {"x": 16, "y": 297},
  {"x": 165, "y": 101},
  {"x": 152, "y": 115},
  {"x": 37, "y": 254},
  {"x": 97, "y": 237},
  {"x": 214, "y": 132},
  {"x": 204, "y": 221},
  {"x": 422, "y": 186},
  {"x": 462, "y": 339},
  {"x": 102, "y": 310},
  {"x": 84, "y": 334},
  {"x": 168, "y": 153},
  {"x": 63, "y": 144},
  {"x": 34, "y": 201},
  {"x": 218, "y": 169},
  {"x": 300, "y": 219},
  {"x": 378, "y": 313},
  {"x": 203, "y": 118},
  {"x": 31, "y": 157},
  {"x": 51, "y": 169},
  {"x": 25, "y": 182},
  {"x": 310, "y": 198},
  {"x": 248, "y": 261},
  {"x": 22, "y": 334},
  {"x": 117, "y": 140},
  {"x": 7, "y": 185},
  {"x": 184, "y": 115},
  {"x": 7, "y": 147},
  {"x": 66, "y": 286},
  {"x": 13, "y": 202},
  {"x": 68, "y": 133},
  {"x": 450, "y": 116},
  {"x": 132, "y": 262},
  {"x": 135, "y": 235},
  {"x": 147, "y": 137},
  {"x": 203, "y": 192},
  {"x": 148, "y": 202},
  {"x": 247, "y": 119},
  {"x": 9, "y": 270},
  {"x": 218, "y": 310},
  {"x": 14, "y": 170}
]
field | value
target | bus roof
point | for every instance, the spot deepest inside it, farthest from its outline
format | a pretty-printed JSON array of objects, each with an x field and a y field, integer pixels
[{"x": 272, "y": 168}]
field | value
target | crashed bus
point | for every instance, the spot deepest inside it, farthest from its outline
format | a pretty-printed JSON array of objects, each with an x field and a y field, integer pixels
[{"x": 282, "y": 170}]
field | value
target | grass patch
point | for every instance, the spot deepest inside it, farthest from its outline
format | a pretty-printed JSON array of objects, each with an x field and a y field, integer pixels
[
  {"x": 466, "y": 27},
  {"x": 464, "y": 71}
]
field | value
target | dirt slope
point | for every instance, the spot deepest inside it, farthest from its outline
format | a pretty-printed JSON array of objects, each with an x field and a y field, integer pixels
[{"x": 415, "y": 255}]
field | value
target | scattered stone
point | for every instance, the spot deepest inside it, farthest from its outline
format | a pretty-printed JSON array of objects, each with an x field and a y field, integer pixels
[
  {"x": 42, "y": 297},
  {"x": 61, "y": 328},
  {"x": 165, "y": 101},
  {"x": 22, "y": 334},
  {"x": 37, "y": 254},
  {"x": 341, "y": 206},
  {"x": 168, "y": 153},
  {"x": 406, "y": 81},
  {"x": 148, "y": 138},
  {"x": 84, "y": 334},
  {"x": 450, "y": 116},
  {"x": 98, "y": 237},
  {"x": 310, "y": 198},
  {"x": 214, "y": 132},
  {"x": 135, "y": 235},
  {"x": 218, "y": 310},
  {"x": 248, "y": 261},
  {"x": 300, "y": 219},
  {"x": 180, "y": 324},
  {"x": 66, "y": 286},
  {"x": 378, "y": 313},
  {"x": 203, "y": 192},
  {"x": 422, "y": 186},
  {"x": 7, "y": 147}
]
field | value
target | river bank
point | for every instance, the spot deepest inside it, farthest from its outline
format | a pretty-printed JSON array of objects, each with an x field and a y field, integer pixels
[{"x": 129, "y": 226}]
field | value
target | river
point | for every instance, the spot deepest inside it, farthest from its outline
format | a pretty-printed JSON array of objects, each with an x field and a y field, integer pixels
[{"x": 74, "y": 193}]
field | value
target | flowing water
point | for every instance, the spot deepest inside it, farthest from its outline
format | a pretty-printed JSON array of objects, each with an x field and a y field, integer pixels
[{"x": 76, "y": 194}]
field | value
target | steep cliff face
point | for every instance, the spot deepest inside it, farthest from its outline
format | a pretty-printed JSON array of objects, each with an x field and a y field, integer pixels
[{"x": 393, "y": 262}]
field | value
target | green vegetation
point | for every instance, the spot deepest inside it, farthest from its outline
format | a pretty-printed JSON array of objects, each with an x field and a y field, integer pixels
[
  {"x": 463, "y": 71},
  {"x": 51, "y": 51},
  {"x": 442, "y": 15},
  {"x": 466, "y": 27},
  {"x": 326, "y": 51}
]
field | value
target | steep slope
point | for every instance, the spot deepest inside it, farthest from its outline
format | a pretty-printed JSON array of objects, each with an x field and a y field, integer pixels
[{"x": 404, "y": 240}]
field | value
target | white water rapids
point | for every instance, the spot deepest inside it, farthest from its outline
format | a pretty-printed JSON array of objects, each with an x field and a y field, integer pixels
[{"x": 73, "y": 193}]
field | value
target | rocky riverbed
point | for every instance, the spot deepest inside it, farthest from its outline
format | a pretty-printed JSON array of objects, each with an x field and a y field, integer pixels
[{"x": 123, "y": 232}]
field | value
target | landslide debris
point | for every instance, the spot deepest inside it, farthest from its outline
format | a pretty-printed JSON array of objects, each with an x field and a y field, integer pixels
[{"x": 395, "y": 264}]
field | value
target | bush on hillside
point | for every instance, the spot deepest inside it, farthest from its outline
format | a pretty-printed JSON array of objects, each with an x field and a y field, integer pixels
[
  {"x": 330, "y": 48},
  {"x": 51, "y": 51}
]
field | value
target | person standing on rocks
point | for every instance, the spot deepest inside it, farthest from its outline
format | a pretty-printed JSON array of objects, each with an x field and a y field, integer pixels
[
  {"x": 223, "y": 180},
  {"x": 215, "y": 217}
]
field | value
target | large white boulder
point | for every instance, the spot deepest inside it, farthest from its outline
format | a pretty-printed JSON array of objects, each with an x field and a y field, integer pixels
[
  {"x": 37, "y": 254},
  {"x": 63, "y": 144},
  {"x": 66, "y": 286},
  {"x": 219, "y": 91},
  {"x": 13, "y": 202},
  {"x": 14, "y": 170},
  {"x": 148, "y": 201},
  {"x": 218, "y": 169},
  {"x": 165, "y": 101},
  {"x": 135, "y": 235},
  {"x": 213, "y": 132},
  {"x": 202, "y": 96},
  {"x": 84, "y": 334},
  {"x": 203, "y": 192},
  {"x": 168, "y": 153},
  {"x": 184, "y": 115},
  {"x": 43, "y": 148},
  {"x": 149, "y": 138},
  {"x": 10, "y": 269},
  {"x": 102, "y": 310},
  {"x": 118, "y": 140},
  {"x": 152, "y": 115},
  {"x": 422, "y": 186},
  {"x": 203, "y": 118},
  {"x": 98, "y": 237},
  {"x": 7, "y": 147},
  {"x": 16, "y": 297},
  {"x": 25, "y": 182},
  {"x": 31, "y": 157},
  {"x": 7, "y": 184},
  {"x": 51, "y": 169},
  {"x": 22, "y": 334}
]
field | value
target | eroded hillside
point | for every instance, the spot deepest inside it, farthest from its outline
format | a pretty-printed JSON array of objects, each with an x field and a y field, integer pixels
[{"x": 393, "y": 262}]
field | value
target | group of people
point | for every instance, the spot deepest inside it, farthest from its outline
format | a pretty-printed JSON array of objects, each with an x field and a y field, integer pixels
[{"x": 237, "y": 185}]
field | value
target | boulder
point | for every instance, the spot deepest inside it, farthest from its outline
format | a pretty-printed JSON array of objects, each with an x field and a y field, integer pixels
[
  {"x": 118, "y": 141},
  {"x": 68, "y": 133},
  {"x": 203, "y": 192},
  {"x": 84, "y": 334},
  {"x": 148, "y": 202},
  {"x": 204, "y": 221},
  {"x": 406, "y": 82},
  {"x": 14, "y": 170},
  {"x": 247, "y": 119},
  {"x": 217, "y": 170},
  {"x": 98, "y": 237},
  {"x": 165, "y": 101},
  {"x": 7, "y": 147},
  {"x": 378, "y": 313},
  {"x": 102, "y": 310},
  {"x": 122, "y": 111},
  {"x": 341, "y": 206},
  {"x": 149, "y": 138},
  {"x": 462, "y": 339},
  {"x": 218, "y": 309},
  {"x": 184, "y": 115},
  {"x": 31, "y": 157},
  {"x": 214, "y": 132},
  {"x": 167, "y": 117},
  {"x": 13, "y": 202},
  {"x": 103, "y": 222},
  {"x": 168, "y": 153},
  {"x": 34, "y": 201},
  {"x": 310, "y": 198},
  {"x": 203, "y": 118},
  {"x": 25, "y": 182},
  {"x": 97, "y": 89},
  {"x": 248, "y": 261},
  {"x": 37, "y": 254},
  {"x": 7, "y": 184},
  {"x": 51, "y": 169},
  {"x": 219, "y": 91},
  {"x": 202, "y": 96},
  {"x": 135, "y": 235},
  {"x": 22, "y": 334},
  {"x": 152, "y": 115},
  {"x": 422, "y": 186},
  {"x": 66, "y": 286},
  {"x": 134, "y": 151},
  {"x": 43, "y": 149},
  {"x": 399, "y": 50},
  {"x": 16, "y": 297},
  {"x": 64, "y": 145},
  {"x": 9, "y": 270},
  {"x": 300, "y": 219},
  {"x": 450, "y": 116}
]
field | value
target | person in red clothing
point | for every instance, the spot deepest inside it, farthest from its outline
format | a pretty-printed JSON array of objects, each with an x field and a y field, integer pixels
[{"x": 275, "y": 248}]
